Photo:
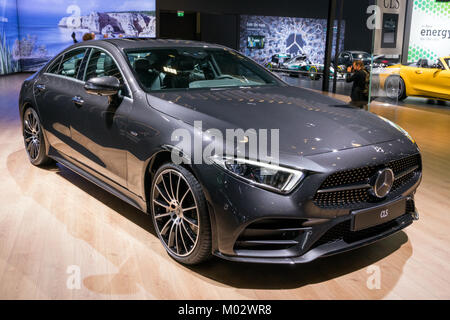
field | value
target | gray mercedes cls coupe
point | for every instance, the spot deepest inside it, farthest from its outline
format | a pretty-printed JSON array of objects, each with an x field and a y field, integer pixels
[{"x": 148, "y": 120}]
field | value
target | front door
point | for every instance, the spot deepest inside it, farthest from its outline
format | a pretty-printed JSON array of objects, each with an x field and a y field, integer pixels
[
  {"x": 433, "y": 81},
  {"x": 98, "y": 126}
]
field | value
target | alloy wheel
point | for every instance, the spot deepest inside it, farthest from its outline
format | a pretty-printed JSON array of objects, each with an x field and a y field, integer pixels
[
  {"x": 31, "y": 134},
  {"x": 394, "y": 88},
  {"x": 176, "y": 213}
]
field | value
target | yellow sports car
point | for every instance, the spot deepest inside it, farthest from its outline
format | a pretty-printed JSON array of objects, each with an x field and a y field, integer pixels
[{"x": 418, "y": 79}]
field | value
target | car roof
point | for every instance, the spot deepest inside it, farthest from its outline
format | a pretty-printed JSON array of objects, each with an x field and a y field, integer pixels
[{"x": 134, "y": 43}]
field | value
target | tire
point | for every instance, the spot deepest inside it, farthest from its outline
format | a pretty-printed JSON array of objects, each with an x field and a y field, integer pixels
[
  {"x": 184, "y": 232},
  {"x": 34, "y": 138},
  {"x": 395, "y": 88},
  {"x": 313, "y": 74}
]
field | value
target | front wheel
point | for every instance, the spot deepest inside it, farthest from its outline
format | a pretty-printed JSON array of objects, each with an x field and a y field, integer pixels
[
  {"x": 395, "y": 88},
  {"x": 34, "y": 138},
  {"x": 313, "y": 73},
  {"x": 180, "y": 214}
]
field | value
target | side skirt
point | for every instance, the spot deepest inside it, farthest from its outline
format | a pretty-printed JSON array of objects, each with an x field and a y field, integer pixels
[{"x": 90, "y": 175}]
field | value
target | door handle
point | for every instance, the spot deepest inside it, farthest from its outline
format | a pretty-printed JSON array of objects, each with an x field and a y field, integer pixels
[
  {"x": 40, "y": 87},
  {"x": 78, "y": 100},
  {"x": 419, "y": 71}
]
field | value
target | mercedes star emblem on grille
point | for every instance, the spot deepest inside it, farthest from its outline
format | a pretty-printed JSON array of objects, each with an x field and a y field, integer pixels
[{"x": 383, "y": 182}]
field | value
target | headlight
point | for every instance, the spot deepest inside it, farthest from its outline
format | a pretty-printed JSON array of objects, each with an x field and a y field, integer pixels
[
  {"x": 396, "y": 126},
  {"x": 262, "y": 174}
]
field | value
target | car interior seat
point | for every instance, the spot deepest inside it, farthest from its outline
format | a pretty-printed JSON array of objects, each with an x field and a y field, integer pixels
[
  {"x": 77, "y": 67},
  {"x": 148, "y": 76},
  {"x": 422, "y": 63},
  {"x": 181, "y": 78},
  {"x": 110, "y": 68}
]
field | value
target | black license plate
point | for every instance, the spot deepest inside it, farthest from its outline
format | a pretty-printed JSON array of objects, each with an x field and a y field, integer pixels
[{"x": 366, "y": 218}]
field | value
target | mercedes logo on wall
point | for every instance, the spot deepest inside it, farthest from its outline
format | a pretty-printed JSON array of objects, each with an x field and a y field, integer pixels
[{"x": 383, "y": 181}]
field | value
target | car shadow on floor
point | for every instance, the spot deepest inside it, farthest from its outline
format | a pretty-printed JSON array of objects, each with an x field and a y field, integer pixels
[
  {"x": 272, "y": 276},
  {"x": 126, "y": 210},
  {"x": 257, "y": 276}
]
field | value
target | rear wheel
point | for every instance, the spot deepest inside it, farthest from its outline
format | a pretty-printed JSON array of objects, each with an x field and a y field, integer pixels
[
  {"x": 180, "y": 214},
  {"x": 34, "y": 138},
  {"x": 395, "y": 88}
]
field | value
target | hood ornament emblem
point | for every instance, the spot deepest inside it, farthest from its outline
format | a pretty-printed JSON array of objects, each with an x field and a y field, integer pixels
[{"x": 383, "y": 182}]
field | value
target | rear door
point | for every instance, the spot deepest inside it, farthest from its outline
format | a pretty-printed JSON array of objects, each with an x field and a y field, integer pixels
[
  {"x": 53, "y": 93},
  {"x": 98, "y": 127}
]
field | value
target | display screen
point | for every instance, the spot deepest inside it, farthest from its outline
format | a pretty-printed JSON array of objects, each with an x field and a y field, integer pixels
[
  {"x": 389, "y": 32},
  {"x": 430, "y": 31},
  {"x": 9, "y": 32},
  {"x": 255, "y": 42},
  {"x": 285, "y": 36},
  {"x": 37, "y": 30}
]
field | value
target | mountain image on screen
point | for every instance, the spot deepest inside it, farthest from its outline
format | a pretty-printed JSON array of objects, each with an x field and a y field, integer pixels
[
  {"x": 32, "y": 32},
  {"x": 131, "y": 24},
  {"x": 37, "y": 47}
]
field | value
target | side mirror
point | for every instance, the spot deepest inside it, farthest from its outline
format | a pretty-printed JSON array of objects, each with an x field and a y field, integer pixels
[{"x": 103, "y": 86}]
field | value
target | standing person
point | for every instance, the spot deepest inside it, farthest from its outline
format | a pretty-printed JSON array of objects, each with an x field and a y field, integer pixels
[
  {"x": 360, "y": 88},
  {"x": 74, "y": 37},
  {"x": 87, "y": 36}
]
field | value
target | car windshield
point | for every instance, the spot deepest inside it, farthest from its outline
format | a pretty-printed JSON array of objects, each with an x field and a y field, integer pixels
[
  {"x": 361, "y": 56},
  {"x": 189, "y": 68}
]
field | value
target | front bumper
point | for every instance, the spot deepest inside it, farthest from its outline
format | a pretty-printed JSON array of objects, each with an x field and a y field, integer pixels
[
  {"x": 236, "y": 206},
  {"x": 339, "y": 245}
]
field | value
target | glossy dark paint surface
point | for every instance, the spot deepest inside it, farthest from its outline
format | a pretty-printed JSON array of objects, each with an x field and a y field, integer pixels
[
  {"x": 309, "y": 122},
  {"x": 113, "y": 144}
]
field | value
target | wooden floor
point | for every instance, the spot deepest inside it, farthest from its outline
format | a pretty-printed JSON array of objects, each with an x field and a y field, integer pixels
[{"x": 52, "y": 221}]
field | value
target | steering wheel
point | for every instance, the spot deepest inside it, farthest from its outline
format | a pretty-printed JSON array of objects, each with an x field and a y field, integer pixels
[{"x": 225, "y": 76}]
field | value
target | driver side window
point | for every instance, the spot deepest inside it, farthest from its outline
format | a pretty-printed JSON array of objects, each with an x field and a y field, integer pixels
[
  {"x": 101, "y": 64},
  {"x": 439, "y": 65}
]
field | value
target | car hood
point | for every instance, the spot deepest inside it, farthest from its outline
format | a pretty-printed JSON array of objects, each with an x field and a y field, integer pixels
[{"x": 308, "y": 122}]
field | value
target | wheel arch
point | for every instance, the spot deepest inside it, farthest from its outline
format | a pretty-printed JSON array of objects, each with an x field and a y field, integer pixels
[
  {"x": 162, "y": 156},
  {"x": 404, "y": 77},
  {"x": 400, "y": 76},
  {"x": 26, "y": 104},
  {"x": 157, "y": 160}
]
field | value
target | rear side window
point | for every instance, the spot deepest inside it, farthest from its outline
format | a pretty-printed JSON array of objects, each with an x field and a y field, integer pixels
[
  {"x": 54, "y": 67},
  {"x": 70, "y": 63}
]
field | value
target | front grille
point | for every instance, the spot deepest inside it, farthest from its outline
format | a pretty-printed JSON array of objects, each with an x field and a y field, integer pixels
[
  {"x": 358, "y": 176},
  {"x": 352, "y": 176},
  {"x": 342, "y": 231},
  {"x": 403, "y": 180}
]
